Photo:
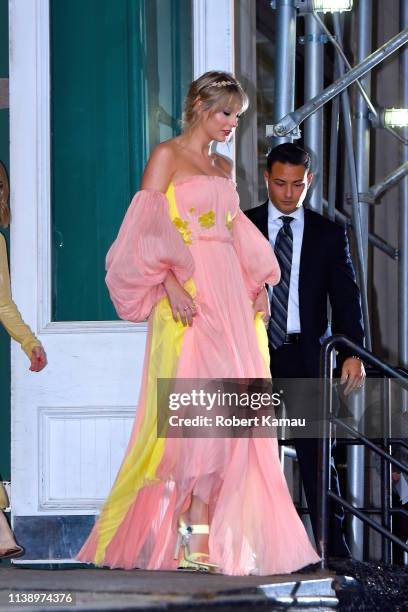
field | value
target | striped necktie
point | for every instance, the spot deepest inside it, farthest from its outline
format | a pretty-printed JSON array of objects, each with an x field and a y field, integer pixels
[{"x": 280, "y": 296}]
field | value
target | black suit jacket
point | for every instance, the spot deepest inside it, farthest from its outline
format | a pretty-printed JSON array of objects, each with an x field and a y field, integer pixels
[{"x": 326, "y": 271}]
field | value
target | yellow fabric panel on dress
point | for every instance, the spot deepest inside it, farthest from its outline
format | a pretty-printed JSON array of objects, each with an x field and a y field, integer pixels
[
  {"x": 171, "y": 197},
  {"x": 262, "y": 338},
  {"x": 140, "y": 465}
]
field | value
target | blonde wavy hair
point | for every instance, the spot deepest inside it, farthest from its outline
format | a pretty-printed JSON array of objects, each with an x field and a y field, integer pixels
[{"x": 216, "y": 90}]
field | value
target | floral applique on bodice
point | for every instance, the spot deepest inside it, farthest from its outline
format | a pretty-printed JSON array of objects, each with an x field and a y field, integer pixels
[{"x": 206, "y": 207}]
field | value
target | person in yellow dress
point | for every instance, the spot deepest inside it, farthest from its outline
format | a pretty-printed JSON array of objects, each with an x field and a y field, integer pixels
[{"x": 19, "y": 331}]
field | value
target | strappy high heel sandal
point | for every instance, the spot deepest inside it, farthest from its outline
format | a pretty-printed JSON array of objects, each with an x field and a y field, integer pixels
[{"x": 190, "y": 560}]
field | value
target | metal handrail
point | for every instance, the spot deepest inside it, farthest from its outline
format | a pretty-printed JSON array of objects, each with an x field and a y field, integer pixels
[
  {"x": 292, "y": 120},
  {"x": 325, "y": 445}
]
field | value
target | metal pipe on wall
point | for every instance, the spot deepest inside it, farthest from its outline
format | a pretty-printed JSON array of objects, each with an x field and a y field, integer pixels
[
  {"x": 403, "y": 214},
  {"x": 284, "y": 97},
  {"x": 389, "y": 181},
  {"x": 356, "y": 454},
  {"x": 313, "y": 128},
  {"x": 334, "y": 140},
  {"x": 355, "y": 458},
  {"x": 348, "y": 137},
  {"x": 362, "y": 123},
  {"x": 403, "y": 227},
  {"x": 358, "y": 82},
  {"x": 292, "y": 120},
  {"x": 334, "y": 145},
  {"x": 373, "y": 239}
]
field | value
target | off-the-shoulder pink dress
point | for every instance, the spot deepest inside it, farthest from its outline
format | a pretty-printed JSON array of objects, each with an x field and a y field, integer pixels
[{"x": 198, "y": 231}]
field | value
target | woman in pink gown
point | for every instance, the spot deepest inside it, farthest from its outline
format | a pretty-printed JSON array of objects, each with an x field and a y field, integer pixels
[{"x": 187, "y": 259}]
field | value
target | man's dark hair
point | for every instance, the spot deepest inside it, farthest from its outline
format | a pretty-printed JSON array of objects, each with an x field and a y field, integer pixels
[{"x": 288, "y": 153}]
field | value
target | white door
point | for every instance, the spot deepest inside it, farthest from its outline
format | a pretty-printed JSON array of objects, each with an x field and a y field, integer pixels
[{"x": 70, "y": 423}]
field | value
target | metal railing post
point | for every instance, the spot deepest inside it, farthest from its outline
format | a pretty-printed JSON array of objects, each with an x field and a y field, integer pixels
[
  {"x": 324, "y": 457},
  {"x": 327, "y": 419},
  {"x": 386, "y": 499}
]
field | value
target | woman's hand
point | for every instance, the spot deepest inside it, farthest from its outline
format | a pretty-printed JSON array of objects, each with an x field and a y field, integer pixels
[
  {"x": 38, "y": 359},
  {"x": 181, "y": 303},
  {"x": 261, "y": 304}
]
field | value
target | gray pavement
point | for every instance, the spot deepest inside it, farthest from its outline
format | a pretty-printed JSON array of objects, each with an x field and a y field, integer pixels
[{"x": 104, "y": 589}]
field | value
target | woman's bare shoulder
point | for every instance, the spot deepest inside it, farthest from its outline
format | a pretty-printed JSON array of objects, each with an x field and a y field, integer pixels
[
  {"x": 160, "y": 167},
  {"x": 164, "y": 153}
]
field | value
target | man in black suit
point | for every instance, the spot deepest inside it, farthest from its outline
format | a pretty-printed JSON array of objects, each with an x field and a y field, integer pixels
[{"x": 315, "y": 263}]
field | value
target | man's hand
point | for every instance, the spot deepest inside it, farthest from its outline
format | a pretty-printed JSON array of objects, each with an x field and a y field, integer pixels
[
  {"x": 38, "y": 359},
  {"x": 352, "y": 373}
]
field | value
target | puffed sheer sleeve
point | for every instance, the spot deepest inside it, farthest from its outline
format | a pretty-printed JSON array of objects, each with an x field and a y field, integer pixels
[
  {"x": 146, "y": 248},
  {"x": 258, "y": 262}
]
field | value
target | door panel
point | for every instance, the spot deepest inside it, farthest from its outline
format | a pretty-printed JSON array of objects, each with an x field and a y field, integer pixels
[{"x": 116, "y": 92}]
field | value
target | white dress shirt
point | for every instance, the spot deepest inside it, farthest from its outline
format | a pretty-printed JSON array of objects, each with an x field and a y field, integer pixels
[{"x": 297, "y": 226}]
